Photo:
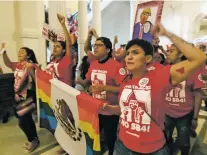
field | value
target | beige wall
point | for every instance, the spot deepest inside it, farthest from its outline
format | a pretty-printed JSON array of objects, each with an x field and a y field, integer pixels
[
  {"x": 72, "y": 6},
  {"x": 22, "y": 24},
  {"x": 7, "y": 30}
]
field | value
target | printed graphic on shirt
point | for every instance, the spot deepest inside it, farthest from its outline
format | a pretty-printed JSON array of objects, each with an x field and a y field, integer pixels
[
  {"x": 99, "y": 77},
  {"x": 20, "y": 87},
  {"x": 122, "y": 71},
  {"x": 18, "y": 75},
  {"x": 177, "y": 95},
  {"x": 143, "y": 82},
  {"x": 135, "y": 103},
  {"x": 52, "y": 69}
]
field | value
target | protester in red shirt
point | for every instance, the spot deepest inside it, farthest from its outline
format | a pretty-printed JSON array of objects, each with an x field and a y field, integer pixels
[
  {"x": 61, "y": 64},
  {"x": 141, "y": 103},
  {"x": 25, "y": 94},
  {"x": 105, "y": 74},
  {"x": 182, "y": 105}
]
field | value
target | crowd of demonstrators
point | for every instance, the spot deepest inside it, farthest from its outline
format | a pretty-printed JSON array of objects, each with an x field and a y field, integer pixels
[
  {"x": 141, "y": 98},
  {"x": 147, "y": 92},
  {"x": 60, "y": 67}
]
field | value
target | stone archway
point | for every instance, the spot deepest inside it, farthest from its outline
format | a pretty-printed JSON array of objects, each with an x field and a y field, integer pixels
[{"x": 195, "y": 23}]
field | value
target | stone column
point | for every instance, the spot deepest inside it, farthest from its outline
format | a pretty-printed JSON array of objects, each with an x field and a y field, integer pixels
[
  {"x": 96, "y": 18},
  {"x": 54, "y": 8},
  {"x": 82, "y": 33},
  {"x": 82, "y": 27}
]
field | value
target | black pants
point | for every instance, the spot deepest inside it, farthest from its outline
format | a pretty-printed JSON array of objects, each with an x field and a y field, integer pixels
[
  {"x": 109, "y": 125},
  {"x": 183, "y": 125},
  {"x": 27, "y": 125}
]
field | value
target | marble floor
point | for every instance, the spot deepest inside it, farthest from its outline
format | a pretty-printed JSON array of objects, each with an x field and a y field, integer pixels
[{"x": 12, "y": 139}]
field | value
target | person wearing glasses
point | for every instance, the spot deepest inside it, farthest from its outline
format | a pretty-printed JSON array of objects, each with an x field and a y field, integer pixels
[{"x": 105, "y": 75}]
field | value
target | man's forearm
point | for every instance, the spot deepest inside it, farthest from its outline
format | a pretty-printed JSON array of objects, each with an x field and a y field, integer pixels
[
  {"x": 197, "y": 105},
  {"x": 114, "y": 89},
  {"x": 114, "y": 109},
  {"x": 87, "y": 44},
  {"x": 68, "y": 40}
]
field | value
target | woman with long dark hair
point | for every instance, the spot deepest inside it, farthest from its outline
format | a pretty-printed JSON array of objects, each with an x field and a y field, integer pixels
[
  {"x": 25, "y": 94},
  {"x": 60, "y": 66}
]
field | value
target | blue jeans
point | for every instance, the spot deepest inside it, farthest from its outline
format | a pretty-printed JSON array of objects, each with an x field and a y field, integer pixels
[
  {"x": 183, "y": 125},
  {"x": 120, "y": 149}
]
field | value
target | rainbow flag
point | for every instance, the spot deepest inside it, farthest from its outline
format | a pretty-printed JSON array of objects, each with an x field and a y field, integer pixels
[
  {"x": 47, "y": 117},
  {"x": 70, "y": 115}
]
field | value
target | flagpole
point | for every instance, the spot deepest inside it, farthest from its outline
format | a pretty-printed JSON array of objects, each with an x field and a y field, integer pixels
[{"x": 37, "y": 101}]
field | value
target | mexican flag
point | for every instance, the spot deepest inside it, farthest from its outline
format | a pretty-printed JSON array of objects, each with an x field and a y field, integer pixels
[{"x": 70, "y": 115}]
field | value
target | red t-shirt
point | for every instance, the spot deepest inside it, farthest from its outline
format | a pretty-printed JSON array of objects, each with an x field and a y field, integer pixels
[
  {"x": 154, "y": 65},
  {"x": 60, "y": 69},
  {"x": 109, "y": 73},
  {"x": 138, "y": 131},
  {"x": 180, "y": 100}
]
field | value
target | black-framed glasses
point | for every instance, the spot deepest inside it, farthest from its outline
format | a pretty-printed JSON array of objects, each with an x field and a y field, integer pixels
[{"x": 97, "y": 45}]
